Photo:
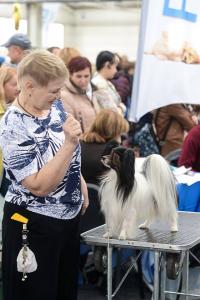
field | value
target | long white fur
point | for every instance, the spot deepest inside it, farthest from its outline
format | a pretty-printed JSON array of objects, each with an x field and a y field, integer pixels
[{"x": 153, "y": 195}]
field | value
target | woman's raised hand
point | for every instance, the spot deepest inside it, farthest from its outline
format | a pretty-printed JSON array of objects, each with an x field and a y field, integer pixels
[{"x": 72, "y": 130}]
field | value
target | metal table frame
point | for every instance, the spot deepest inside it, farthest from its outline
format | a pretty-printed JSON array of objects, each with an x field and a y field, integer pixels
[{"x": 160, "y": 241}]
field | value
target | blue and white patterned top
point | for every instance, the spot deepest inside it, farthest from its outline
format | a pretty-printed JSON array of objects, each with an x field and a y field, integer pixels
[{"x": 28, "y": 143}]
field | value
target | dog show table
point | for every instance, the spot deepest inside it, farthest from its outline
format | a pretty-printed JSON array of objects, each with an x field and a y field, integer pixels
[{"x": 159, "y": 239}]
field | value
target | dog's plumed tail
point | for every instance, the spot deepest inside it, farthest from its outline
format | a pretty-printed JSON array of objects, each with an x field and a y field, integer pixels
[{"x": 162, "y": 183}]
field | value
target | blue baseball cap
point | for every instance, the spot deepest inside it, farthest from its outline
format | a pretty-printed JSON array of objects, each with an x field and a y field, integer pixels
[{"x": 18, "y": 39}]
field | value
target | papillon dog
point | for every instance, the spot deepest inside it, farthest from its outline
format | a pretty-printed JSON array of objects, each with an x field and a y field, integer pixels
[{"x": 129, "y": 197}]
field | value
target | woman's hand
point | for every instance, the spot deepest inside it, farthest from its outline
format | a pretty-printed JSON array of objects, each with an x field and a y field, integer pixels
[
  {"x": 85, "y": 195},
  {"x": 85, "y": 205},
  {"x": 72, "y": 130}
]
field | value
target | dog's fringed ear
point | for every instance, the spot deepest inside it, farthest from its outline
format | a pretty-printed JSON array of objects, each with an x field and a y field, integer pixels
[
  {"x": 126, "y": 175},
  {"x": 128, "y": 166}
]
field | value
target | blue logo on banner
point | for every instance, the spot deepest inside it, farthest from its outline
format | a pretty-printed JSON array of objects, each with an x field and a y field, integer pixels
[{"x": 178, "y": 13}]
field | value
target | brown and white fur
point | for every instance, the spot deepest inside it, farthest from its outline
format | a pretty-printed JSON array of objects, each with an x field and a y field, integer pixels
[{"x": 127, "y": 197}]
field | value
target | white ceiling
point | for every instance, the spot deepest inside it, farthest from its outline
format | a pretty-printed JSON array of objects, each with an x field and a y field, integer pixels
[{"x": 80, "y": 4}]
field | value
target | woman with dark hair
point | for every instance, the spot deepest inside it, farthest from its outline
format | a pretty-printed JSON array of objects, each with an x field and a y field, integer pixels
[
  {"x": 105, "y": 57},
  {"x": 107, "y": 96},
  {"x": 77, "y": 96},
  {"x": 55, "y": 50}
]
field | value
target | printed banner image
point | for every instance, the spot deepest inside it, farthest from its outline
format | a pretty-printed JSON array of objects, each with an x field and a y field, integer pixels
[{"x": 168, "y": 62}]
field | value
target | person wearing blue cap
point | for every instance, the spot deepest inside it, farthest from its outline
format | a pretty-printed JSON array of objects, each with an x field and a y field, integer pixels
[{"x": 17, "y": 44}]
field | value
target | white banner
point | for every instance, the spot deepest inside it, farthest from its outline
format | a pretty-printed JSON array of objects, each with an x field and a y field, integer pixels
[{"x": 168, "y": 61}]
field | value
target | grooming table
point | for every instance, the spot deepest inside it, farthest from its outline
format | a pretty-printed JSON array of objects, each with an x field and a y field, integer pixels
[{"x": 160, "y": 240}]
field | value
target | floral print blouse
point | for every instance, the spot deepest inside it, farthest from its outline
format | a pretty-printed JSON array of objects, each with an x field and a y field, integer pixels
[{"x": 28, "y": 143}]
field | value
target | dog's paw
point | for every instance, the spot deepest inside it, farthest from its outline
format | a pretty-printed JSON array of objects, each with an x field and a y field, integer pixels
[
  {"x": 174, "y": 228},
  {"x": 107, "y": 235},
  {"x": 122, "y": 235},
  {"x": 143, "y": 226}
]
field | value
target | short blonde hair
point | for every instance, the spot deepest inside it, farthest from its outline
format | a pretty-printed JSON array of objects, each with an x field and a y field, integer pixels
[
  {"x": 42, "y": 66},
  {"x": 107, "y": 125},
  {"x": 67, "y": 53},
  {"x": 6, "y": 74}
]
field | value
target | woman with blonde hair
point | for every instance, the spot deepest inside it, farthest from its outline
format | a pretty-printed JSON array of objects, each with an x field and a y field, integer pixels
[
  {"x": 8, "y": 93},
  {"x": 104, "y": 134},
  {"x": 8, "y": 87},
  {"x": 41, "y": 150},
  {"x": 67, "y": 53}
]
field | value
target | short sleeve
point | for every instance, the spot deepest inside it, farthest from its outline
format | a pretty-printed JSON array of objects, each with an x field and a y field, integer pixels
[{"x": 20, "y": 154}]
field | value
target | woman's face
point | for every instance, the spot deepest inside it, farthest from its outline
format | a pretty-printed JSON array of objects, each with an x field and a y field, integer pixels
[
  {"x": 10, "y": 89},
  {"x": 42, "y": 97},
  {"x": 81, "y": 78},
  {"x": 111, "y": 70}
]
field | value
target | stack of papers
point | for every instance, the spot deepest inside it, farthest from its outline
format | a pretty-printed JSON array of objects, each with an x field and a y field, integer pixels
[{"x": 185, "y": 175}]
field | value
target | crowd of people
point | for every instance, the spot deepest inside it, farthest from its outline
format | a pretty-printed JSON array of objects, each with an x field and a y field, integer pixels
[{"x": 58, "y": 109}]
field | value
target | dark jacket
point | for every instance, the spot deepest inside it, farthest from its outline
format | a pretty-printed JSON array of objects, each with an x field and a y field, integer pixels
[{"x": 122, "y": 83}]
